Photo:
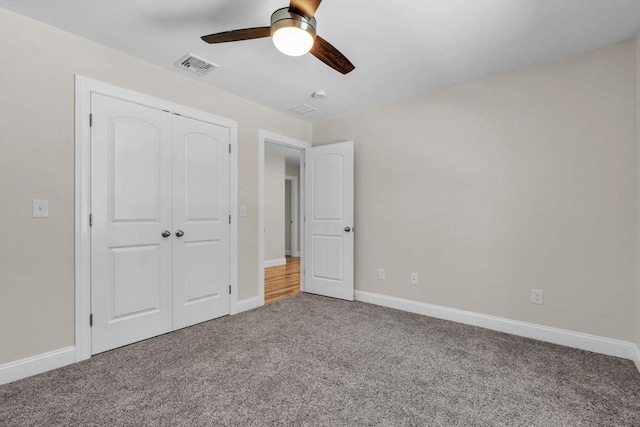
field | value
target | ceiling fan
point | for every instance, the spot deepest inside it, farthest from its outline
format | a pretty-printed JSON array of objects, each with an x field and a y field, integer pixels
[{"x": 293, "y": 31}]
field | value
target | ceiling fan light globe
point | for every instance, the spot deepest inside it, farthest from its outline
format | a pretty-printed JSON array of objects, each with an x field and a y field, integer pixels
[
  {"x": 292, "y": 33},
  {"x": 292, "y": 41}
]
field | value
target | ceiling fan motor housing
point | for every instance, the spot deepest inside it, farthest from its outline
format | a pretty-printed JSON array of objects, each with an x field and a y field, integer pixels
[{"x": 284, "y": 17}]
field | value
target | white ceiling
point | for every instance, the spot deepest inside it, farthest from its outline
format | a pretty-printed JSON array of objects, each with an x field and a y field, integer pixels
[{"x": 401, "y": 48}]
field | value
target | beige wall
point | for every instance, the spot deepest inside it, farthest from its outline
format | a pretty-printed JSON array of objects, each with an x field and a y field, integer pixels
[
  {"x": 518, "y": 181},
  {"x": 37, "y": 66},
  {"x": 273, "y": 207}
]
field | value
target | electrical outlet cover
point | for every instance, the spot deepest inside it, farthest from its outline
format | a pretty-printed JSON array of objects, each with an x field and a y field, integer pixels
[{"x": 537, "y": 296}]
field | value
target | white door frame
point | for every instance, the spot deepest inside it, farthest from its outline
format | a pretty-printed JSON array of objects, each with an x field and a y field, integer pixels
[
  {"x": 84, "y": 87},
  {"x": 295, "y": 251},
  {"x": 264, "y": 137}
]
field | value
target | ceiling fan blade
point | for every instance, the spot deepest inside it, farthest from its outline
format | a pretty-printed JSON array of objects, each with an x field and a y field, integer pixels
[
  {"x": 305, "y": 7},
  {"x": 237, "y": 35},
  {"x": 325, "y": 52}
]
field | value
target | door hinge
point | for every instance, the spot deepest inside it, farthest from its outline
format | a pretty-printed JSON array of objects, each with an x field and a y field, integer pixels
[
  {"x": 91, "y": 319},
  {"x": 229, "y": 218},
  {"x": 229, "y": 148},
  {"x": 90, "y": 220},
  {"x": 229, "y": 289},
  {"x": 90, "y": 120}
]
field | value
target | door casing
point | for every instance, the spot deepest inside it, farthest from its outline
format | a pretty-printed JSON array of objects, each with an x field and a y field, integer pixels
[
  {"x": 84, "y": 87},
  {"x": 295, "y": 207}
]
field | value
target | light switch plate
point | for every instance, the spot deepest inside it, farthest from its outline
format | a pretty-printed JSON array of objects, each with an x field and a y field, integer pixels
[
  {"x": 243, "y": 210},
  {"x": 40, "y": 208}
]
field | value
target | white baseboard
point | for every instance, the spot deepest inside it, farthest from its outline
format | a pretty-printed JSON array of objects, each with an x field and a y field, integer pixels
[
  {"x": 596, "y": 344},
  {"x": 44, "y": 362},
  {"x": 274, "y": 262},
  {"x": 293, "y": 254},
  {"x": 637, "y": 357},
  {"x": 38, "y": 364},
  {"x": 249, "y": 304}
]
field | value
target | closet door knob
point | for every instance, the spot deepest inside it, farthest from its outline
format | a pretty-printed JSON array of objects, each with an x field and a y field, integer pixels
[
  {"x": 347, "y": 229},
  {"x": 166, "y": 233},
  {"x": 179, "y": 233}
]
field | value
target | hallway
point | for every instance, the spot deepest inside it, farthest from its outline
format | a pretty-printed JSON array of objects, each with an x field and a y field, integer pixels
[{"x": 282, "y": 281}]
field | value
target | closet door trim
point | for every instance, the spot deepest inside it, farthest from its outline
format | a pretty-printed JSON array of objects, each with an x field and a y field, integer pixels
[{"x": 84, "y": 87}]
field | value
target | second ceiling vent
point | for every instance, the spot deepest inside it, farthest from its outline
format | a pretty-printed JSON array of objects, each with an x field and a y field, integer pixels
[
  {"x": 195, "y": 64},
  {"x": 302, "y": 109}
]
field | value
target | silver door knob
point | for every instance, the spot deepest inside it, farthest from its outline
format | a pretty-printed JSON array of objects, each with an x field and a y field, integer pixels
[
  {"x": 347, "y": 229},
  {"x": 165, "y": 233},
  {"x": 179, "y": 233}
]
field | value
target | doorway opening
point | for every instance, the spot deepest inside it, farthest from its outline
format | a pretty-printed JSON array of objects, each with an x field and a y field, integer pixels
[
  {"x": 281, "y": 177},
  {"x": 282, "y": 256},
  {"x": 326, "y": 216}
]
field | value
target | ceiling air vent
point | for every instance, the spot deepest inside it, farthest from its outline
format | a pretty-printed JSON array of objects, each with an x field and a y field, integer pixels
[
  {"x": 195, "y": 64},
  {"x": 302, "y": 109}
]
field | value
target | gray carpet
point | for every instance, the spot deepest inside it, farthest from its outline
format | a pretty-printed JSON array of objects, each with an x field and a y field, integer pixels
[{"x": 311, "y": 360}]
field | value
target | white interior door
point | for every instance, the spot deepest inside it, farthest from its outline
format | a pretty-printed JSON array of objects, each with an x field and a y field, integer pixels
[
  {"x": 201, "y": 221},
  {"x": 131, "y": 206},
  {"x": 329, "y": 220}
]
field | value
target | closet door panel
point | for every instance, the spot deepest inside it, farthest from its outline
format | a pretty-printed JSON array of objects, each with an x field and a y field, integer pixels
[
  {"x": 201, "y": 221},
  {"x": 131, "y": 283}
]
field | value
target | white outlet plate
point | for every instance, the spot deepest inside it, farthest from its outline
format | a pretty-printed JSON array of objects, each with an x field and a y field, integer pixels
[
  {"x": 381, "y": 274},
  {"x": 40, "y": 208},
  {"x": 537, "y": 296},
  {"x": 414, "y": 278}
]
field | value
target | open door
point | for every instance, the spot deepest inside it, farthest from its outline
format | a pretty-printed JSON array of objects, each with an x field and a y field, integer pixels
[{"x": 329, "y": 220}]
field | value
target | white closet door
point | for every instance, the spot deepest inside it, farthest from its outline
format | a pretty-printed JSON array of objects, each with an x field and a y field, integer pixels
[
  {"x": 329, "y": 220},
  {"x": 131, "y": 206},
  {"x": 201, "y": 221}
]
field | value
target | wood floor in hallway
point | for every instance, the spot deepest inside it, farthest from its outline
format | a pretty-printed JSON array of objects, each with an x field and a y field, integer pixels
[{"x": 282, "y": 281}]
